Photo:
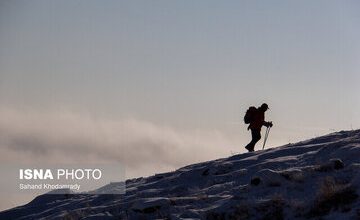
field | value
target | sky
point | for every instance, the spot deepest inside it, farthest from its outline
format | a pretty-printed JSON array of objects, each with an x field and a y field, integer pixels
[{"x": 161, "y": 84}]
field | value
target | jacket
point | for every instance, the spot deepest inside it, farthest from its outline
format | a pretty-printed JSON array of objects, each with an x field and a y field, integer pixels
[{"x": 258, "y": 122}]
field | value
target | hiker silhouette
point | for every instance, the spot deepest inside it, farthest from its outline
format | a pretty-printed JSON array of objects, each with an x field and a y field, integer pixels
[{"x": 255, "y": 117}]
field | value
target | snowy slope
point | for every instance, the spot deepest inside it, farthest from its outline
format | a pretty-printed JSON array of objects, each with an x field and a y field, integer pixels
[{"x": 313, "y": 179}]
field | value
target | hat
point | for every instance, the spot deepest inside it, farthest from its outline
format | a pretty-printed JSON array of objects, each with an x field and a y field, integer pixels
[{"x": 265, "y": 106}]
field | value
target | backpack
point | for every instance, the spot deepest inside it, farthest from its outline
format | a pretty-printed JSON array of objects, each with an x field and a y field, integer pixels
[{"x": 250, "y": 115}]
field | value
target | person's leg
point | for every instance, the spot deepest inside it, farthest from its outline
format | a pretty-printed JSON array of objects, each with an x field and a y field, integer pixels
[{"x": 256, "y": 136}]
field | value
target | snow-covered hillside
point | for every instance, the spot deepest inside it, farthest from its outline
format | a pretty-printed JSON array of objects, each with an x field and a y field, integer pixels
[{"x": 313, "y": 179}]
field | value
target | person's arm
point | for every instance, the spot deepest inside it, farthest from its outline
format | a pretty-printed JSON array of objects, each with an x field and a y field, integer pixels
[{"x": 268, "y": 123}]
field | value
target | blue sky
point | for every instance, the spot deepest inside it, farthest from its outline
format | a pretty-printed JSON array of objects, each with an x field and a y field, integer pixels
[{"x": 184, "y": 65}]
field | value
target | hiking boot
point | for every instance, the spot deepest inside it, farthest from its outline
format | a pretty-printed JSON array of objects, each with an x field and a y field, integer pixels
[{"x": 249, "y": 149}]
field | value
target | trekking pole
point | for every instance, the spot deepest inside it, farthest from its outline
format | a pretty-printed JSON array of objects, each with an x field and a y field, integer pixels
[{"x": 266, "y": 136}]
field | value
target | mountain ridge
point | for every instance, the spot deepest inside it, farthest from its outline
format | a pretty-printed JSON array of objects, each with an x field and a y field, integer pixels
[{"x": 310, "y": 179}]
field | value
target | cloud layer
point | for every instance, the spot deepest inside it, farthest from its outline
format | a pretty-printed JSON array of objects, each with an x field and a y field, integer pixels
[{"x": 143, "y": 147}]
